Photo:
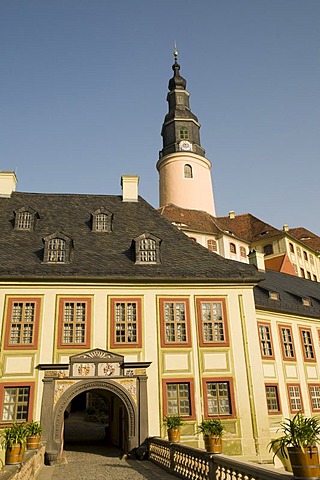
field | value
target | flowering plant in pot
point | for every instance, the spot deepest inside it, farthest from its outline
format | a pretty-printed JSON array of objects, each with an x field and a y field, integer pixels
[
  {"x": 34, "y": 431},
  {"x": 173, "y": 423},
  {"x": 212, "y": 430},
  {"x": 13, "y": 440},
  {"x": 298, "y": 442}
]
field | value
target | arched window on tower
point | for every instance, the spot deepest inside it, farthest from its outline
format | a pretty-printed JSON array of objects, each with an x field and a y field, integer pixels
[
  {"x": 184, "y": 133},
  {"x": 188, "y": 171}
]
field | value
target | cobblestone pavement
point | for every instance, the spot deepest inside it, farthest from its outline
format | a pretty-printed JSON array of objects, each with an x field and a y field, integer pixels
[
  {"x": 87, "y": 456},
  {"x": 95, "y": 466}
]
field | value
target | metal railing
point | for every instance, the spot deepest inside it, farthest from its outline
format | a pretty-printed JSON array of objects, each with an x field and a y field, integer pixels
[{"x": 195, "y": 464}]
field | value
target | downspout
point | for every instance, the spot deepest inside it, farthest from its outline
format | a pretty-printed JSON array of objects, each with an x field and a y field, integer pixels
[{"x": 253, "y": 415}]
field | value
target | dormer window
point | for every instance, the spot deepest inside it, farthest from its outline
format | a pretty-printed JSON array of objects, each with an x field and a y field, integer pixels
[
  {"x": 102, "y": 220},
  {"x": 147, "y": 249},
  {"x": 306, "y": 302},
  {"x": 57, "y": 248},
  {"x": 274, "y": 296},
  {"x": 24, "y": 219}
]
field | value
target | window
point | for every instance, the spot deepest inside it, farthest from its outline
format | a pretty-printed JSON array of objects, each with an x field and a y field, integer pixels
[
  {"x": 291, "y": 247},
  {"x": 212, "y": 245},
  {"x": 147, "y": 249},
  {"x": 243, "y": 252},
  {"x": 187, "y": 170},
  {"x": 233, "y": 248},
  {"x": 308, "y": 275},
  {"x": 57, "y": 248},
  {"x": 268, "y": 249},
  {"x": 184, "y": 133},
  {"x": 311, "y": 259},
  {"x": 16, "y": 402},
  {"x": 273, "y": 401},
  {"x": 315, "y": 278},
  {"x": 125, "y": 323},
  {"x": 302, "y": 274},
  {"x": 22, "y": 323},
  {"x": 102, "y": 220},
  {"x": 314, "y": 392},
  {"x": 25, "y": 219},
  {"x": 218, "y": 398},
  {"x": 212, "y": 321},
  {"x": 74, "y": 322},
  {"x": 274, "y": 296},
  {"x": 287, "y": 345},
  {"x": 178, "y": 397},
  {"x": 265, "y": 337},
  {"x": 305, "y": 255},
  {"x": 307, "y": 344},
  {"x": 295, "y": 398},
  {"x": 174, "y": 322}
]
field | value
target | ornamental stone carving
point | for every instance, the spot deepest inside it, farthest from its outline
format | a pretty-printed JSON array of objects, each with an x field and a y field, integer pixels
[{"x": 130, "y": 385}]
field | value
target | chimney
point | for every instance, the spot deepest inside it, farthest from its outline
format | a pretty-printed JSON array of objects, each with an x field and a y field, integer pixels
[
  {"x": 8, "y": 183},
  {"x": 257, "y": 259},
  {"x": 129, "y": 184},
  {"x": 231, "y": 215},
  {"x": 285, "y": 228}
]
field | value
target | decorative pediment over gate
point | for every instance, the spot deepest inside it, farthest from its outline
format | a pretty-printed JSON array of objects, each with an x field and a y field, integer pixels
[{"x": 96, "y": 363}]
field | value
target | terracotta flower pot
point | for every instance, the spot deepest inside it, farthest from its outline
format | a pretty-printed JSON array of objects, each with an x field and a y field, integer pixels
[
  {"x": 174, "y": 435},
  {"x": 33, "y": 442},
  {"x": 213, "y": 443},
  {"x": 15, "y": 454},
  {"x": 304, "y": 464}
]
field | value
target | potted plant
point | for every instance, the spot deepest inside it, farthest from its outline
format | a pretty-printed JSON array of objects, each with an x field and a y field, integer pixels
[
  {"x": 212, "y": 430},
  {"x": 33, "y": 430},
  {"x": 13, "y": 441},
  {"x": 299, "y": 439},
  {"x": 173, "y": 424}
]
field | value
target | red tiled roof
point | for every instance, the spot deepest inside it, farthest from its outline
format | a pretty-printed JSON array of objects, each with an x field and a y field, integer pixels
[
  {"x": 196, "y": 220},
  {"x": 281, "y": 263},
  {"x": 310, "y": 239},
  {"x": 247, "y": 227}
]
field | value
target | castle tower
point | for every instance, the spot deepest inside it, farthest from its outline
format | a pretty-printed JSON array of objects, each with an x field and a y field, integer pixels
[{"x": 184, "y": 171}]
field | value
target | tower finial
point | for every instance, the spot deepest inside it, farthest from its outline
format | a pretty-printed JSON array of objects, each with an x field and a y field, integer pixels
[{"x": 175, "y": 52}]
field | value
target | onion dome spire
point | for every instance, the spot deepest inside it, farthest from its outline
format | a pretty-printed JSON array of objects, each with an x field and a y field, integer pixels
[{"x": 176, "y": 82}]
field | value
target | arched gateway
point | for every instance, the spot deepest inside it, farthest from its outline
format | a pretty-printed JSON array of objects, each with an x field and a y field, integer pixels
[{"x": 95, "y": 370}]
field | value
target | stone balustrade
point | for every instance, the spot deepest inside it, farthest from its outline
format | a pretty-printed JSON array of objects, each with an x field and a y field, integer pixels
[
  {"x": 29, "y": 469},
  {"x": 195, "y": 464}
]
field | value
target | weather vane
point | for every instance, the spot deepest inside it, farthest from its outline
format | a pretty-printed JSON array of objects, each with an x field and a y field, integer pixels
[{"x": 175, "y": 52}]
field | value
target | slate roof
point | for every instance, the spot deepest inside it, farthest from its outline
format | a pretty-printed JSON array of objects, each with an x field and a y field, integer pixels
[
  {"x": 103, "y": 256},
  {"x": 291, "y": 291}
]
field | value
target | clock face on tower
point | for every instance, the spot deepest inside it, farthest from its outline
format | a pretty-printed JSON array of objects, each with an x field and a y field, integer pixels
[{"x": 185, "y": 145}]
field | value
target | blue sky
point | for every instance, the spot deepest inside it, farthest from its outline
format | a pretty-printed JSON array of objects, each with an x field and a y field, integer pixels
[{"x": 84, "y": 85}]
